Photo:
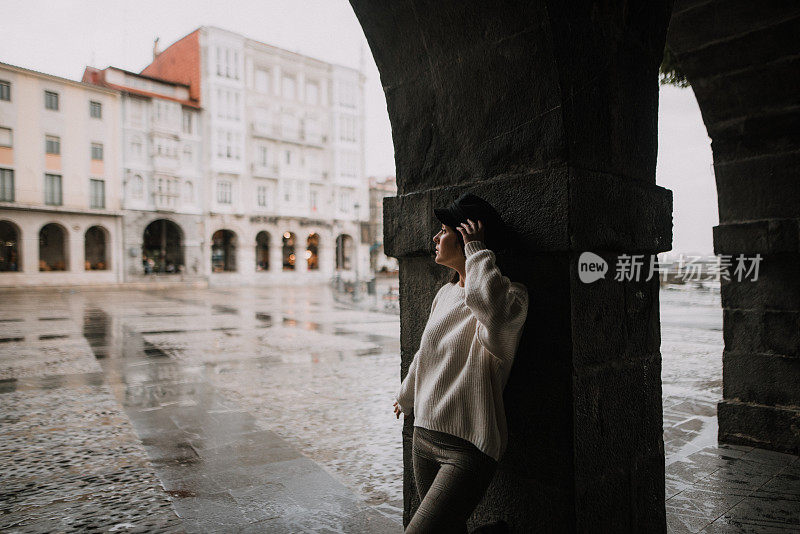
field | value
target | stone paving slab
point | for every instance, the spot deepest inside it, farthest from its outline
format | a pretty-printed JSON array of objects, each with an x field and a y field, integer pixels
[
  {"x": 72, "y": 463},
  {"x": 46, "y": 358}
]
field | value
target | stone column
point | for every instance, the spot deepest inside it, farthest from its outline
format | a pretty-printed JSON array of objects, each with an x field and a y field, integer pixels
[
  {"x": 745, "y": 75},
  {"x": 548, "y": 110}
]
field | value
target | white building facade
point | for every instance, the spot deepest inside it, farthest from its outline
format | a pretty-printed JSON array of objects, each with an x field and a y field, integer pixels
[
  {"x": 60, "y": 187},
  {"x": 283, "y": 148},
  {"x": 164, "y": 193}
]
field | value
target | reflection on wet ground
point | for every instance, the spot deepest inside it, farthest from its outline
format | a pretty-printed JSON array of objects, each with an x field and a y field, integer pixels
[
  {"x": 713, "y": 487},
  {"x": 269, "y": 410}
]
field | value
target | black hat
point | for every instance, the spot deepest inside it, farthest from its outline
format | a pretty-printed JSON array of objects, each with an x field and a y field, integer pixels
[{"x": 473, "y": 207}]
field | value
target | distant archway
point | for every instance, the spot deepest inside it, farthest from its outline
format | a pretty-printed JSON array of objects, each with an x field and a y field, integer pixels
[
  {"x": 162, "y": 247},
  {"x": 95, "y": 243},
  {"x": 344, "y": 252},
  {"x": 312, "y": 252},
  {"x": 10, "y": 259},
  {"x": 288, "y": 251},
  {"x": 262, "y": 251},
  {"x": 223, "y": 251},
  {"x": 53, "y": 242}
]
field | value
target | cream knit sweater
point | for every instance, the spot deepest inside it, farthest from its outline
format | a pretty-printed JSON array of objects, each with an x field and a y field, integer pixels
[{"x": 455, "y": 382}]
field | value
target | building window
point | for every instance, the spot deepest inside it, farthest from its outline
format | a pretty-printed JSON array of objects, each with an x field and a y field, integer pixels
[
  {"x": 347, "y": 128},
  {"x": 261, "y": 196},
  {"x": 187, "y": 154},
  {"x": 288, "y": 88},
  {"x": 262, "y": 81},
  {"x": 136, "y": 147},
  {"x": 224, "y": 195},
  {"x": 227, "y": 63},
  {"x": 97, "y": 151},
  {"x": 52, "y": 189},
  {"x": 288, "y": 157},
  {"x": 137, "y": 188},
  {"x": 52, "y": 144},
  {"x": 312, "y": 94},
  {"x": 95, "y": 110},
  {"x": 51, "y": 100},
  {"x": 6, "y": 138},
  {"x": 347, "y": 94},
  {"x": 187, "y": 121},
  {"x": 348, "y": 164},
  {"x": 263, "y": 156},
  {"x": 313, "y": 199},
  {"x": 344, "y": 201},
  {"x": 188, "y": 192},
  {"x": 97, "y": 192},
  {"x": 5, "y": 90},
  {"x": 6, "y": 185}
]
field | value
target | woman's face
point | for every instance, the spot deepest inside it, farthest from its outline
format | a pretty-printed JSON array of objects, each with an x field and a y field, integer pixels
[{"x": 448, "y": 250}]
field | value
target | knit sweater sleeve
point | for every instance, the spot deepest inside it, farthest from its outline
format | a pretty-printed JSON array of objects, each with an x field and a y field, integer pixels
[
  {"x": 499, "y": 305},
  {"x": 405, "y": 395}
]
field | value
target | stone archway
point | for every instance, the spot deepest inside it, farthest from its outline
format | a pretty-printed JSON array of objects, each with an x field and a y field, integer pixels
[
  {"x": 312, "y": 252},
  {"x": 95, "y": 247},
  {"x": 162, "y": 247},
  {"x": 53, "y": 248},
  {"x": 262, "y": 251},
  {"x": 744, "y": 70},
  {"x": 288, "y": 251},
  {"x": 344, "y": 252},
  {"x": 10, "y": 258},
  {"x": 548, "y": 110},
  {"x": 223, "y": 251}
]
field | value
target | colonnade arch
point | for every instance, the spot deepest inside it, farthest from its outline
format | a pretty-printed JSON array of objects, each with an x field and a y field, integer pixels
[
  {"x": 10, "y": 239},
  {"x": 96, "y": 245},
  {"x": 344, "y": 252},
  {"x": 549, "y": 111},
  {"x": 53, "y": 248},
  {"x": 162, "y": 247},
  {"x": 744, "y": 74},
  {"x": 223, "y": 251}
]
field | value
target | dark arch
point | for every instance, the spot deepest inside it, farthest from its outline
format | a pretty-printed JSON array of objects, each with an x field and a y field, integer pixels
[
  {"x": 548, "y": 110},
  {"x": 10, "y": 253},
  {"x": 744, "y": 70},
  {"x": 312, "y": 251},
  {"x": 95, "y": 249},
  {"x": 53, "y": 248},
  {"x": 262, "y": 250},
  {"x": 289, "y": 257},
  {"x": 162, "y": 247},
  {"x": 223, "y": 251},
  {"x": 344, "y": 252}
]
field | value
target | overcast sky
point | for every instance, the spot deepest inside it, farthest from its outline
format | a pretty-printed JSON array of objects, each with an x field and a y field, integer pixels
[{"x": 62, "y": 37}]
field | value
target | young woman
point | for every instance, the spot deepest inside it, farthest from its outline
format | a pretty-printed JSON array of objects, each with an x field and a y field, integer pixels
[{"x": 454, "y": 386}]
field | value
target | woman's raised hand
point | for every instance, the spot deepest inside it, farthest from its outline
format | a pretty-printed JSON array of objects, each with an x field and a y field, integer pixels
[
  {"x": 471, "y": 230},
  {"x": 397, "y": 411}
]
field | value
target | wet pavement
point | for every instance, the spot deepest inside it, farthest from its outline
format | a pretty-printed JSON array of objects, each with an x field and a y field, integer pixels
[{"x": 269, "y": 410}]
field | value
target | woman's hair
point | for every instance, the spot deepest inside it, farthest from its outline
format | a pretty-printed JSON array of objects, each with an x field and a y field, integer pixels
[{"x": 455, "y": 276}]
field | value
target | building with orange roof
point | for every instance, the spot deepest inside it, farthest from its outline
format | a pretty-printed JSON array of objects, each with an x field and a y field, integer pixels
[
  {"x": 286, "y": 197},
  {"x": 162, "y": 176}
]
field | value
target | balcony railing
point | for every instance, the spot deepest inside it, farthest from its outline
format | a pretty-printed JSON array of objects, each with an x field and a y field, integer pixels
[{"x": 280, "y": 131}]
